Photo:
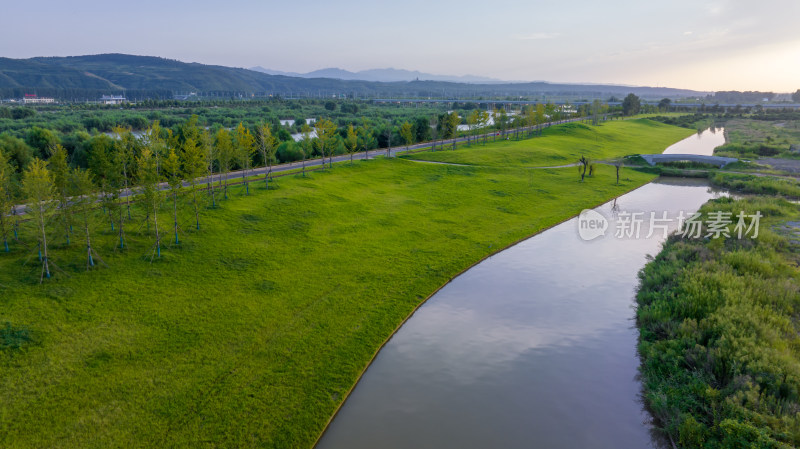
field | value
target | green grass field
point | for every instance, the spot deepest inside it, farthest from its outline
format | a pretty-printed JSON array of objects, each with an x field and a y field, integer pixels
[
  {"x": 253, "y": 329},
  {"x": 565, "y": 144}
]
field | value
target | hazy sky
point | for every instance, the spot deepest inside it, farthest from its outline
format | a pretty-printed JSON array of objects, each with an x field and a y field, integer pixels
[{"x": 696, "y": 44}]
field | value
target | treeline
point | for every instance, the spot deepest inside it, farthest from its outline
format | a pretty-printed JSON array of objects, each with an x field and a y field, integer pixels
[
  {"x": 60, "y": 187},
  {"x": 80, "y": 94}
]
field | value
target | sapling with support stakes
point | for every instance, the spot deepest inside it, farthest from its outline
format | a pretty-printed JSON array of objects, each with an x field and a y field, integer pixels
[
  {"x": 351, "y": 142},
  {"x": 172, "y": 169},
  {"x": 267, "y": 146},
  {"x": 83, "y": 201},
  {"x": 60, "y": 169},
  {"x": 149, "y": 180},
  {"x": 245, "y": 147},
  {"x": 206, "y": 146},
  {"x": 193, "y": 167},
  {"x": 225, "y": 154},
  {"x": 37, "y": 183}
]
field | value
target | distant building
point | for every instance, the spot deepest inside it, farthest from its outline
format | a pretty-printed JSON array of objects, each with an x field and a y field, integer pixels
[
  {"x": 184, "y": 96},
  {"x": 112, "y": 99},
  {"x": 34, "y": 99}
]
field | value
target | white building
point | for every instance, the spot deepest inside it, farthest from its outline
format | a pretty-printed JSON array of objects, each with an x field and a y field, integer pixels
[
  {"x": 112, "y": 99},
  {"x": 33, "y": 99}
]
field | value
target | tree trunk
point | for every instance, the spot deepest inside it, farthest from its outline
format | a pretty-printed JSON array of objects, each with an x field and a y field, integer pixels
[
  {"x": 269, "y": 172},
  {"x": 175, "y": 215},
  {"x": 121, "y": 229},
  {"x": 5, "y": 236},
  {"x": 45, "y": 263},
  {"x": 158, "y": 235},
  {"x": 196, "y": 213},
  {"x": 211, "y": 188},
  {"x": 89, "y": 259}
]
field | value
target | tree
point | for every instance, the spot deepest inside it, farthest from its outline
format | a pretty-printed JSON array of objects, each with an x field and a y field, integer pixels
[
  {"x": 225, "y": 154},
  {"x": 102, "y": 167},
  {"x": 596, "y": 109},
  {"x": 501, "y": 119},
  {"x": 305, "y": 144},
  {"x": 326, "y": 136},
  {"x": 172, "y": 170},
  {"x": 472, "y": 121},
  {"x": 245, "y": 147},
  {"x": 631, "y": 105},
  {"x": 664, "y": 104},
  {"x": 61, "y": 173},
  {"x": 422, "y": 129},
  {"x": 434, "y": 125},
  {"x": 18, "y": 153},
  {"x": 541, "y": 116},
  {"x": 37, "y": 183},
  {"x": 149, "y": 180},
  {"x": 367, "y": 141},
  {"x": 6, "y": 199},
  {"x": 154, "y": 141},
  {"x": 527, "y": 118},
  {"x": 83, "y": 201},
  {"x": 796, "y": 96},
  {"x": 194, "y": 166},
  {"x": 41, "y": 140},
  {"x": 618, "y": 164},
  {"x": 206, "y": 146},
  {"x": 583, "y": 164},
  {"x": 387, "y": 134},
  {"x": 125, "y": 143},
  {"x": 483, "y": 123},
  {"x": 267, "y": 145},
  {"x": 453, "y": 120},
  {"x": 407, "y": 133},
  {"x": 351, "y": 142}
]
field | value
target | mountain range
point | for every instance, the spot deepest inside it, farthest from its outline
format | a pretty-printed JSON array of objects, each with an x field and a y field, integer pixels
[
  {"x": 139, "y": 77},
  {"x": 381, "y": 75}
]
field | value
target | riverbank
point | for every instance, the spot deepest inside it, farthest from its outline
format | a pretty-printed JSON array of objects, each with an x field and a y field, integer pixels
[
  {"x": 250, "y": 332},
  {"x": 719, "y": 331},
  {"x": 565, "y": 144}
]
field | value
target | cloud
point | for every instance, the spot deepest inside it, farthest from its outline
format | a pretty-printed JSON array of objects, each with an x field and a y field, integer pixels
[{"x": 536, "y": 36}]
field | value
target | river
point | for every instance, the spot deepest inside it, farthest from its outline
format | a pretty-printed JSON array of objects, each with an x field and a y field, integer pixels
[{"x": 534, "y": 347}]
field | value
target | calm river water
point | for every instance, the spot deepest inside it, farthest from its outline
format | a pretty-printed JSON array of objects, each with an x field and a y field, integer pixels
[{"x": 532, "y": 348}]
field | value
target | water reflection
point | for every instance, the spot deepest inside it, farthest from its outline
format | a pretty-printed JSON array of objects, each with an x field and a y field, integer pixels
[
  {"x": 702, "y": 143},
  {"x": 534, "y": 347}
]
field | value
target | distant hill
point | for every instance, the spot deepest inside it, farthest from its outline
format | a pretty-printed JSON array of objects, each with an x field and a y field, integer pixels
[
  {"x": 87, "y": 77},
  {"x": 380, "y": 75}
]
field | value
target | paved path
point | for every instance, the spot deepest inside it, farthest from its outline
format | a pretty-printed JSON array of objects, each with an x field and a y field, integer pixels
[{"x": 236, "y": 176}]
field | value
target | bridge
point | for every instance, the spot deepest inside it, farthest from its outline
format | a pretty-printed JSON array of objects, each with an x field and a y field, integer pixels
[{"x": 653, "y": 159}]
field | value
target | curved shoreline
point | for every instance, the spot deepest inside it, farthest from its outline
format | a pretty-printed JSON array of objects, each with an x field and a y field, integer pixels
[{"x": 451, "y": 279}]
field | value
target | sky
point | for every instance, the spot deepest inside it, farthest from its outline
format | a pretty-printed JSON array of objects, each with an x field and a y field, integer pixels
[{"x": 707, "y": 45}]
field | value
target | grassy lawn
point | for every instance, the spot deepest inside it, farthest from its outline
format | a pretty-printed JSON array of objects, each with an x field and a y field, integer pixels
[
  {"x": 252, "y": 330},
  {"x": 564, "y": 144}
]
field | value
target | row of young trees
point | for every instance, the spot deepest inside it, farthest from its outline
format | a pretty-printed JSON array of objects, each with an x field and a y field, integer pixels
[{"x": 163, "y": 163}]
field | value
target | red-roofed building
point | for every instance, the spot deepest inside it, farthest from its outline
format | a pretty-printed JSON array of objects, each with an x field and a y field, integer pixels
[{"x": 34, "y": 99}]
